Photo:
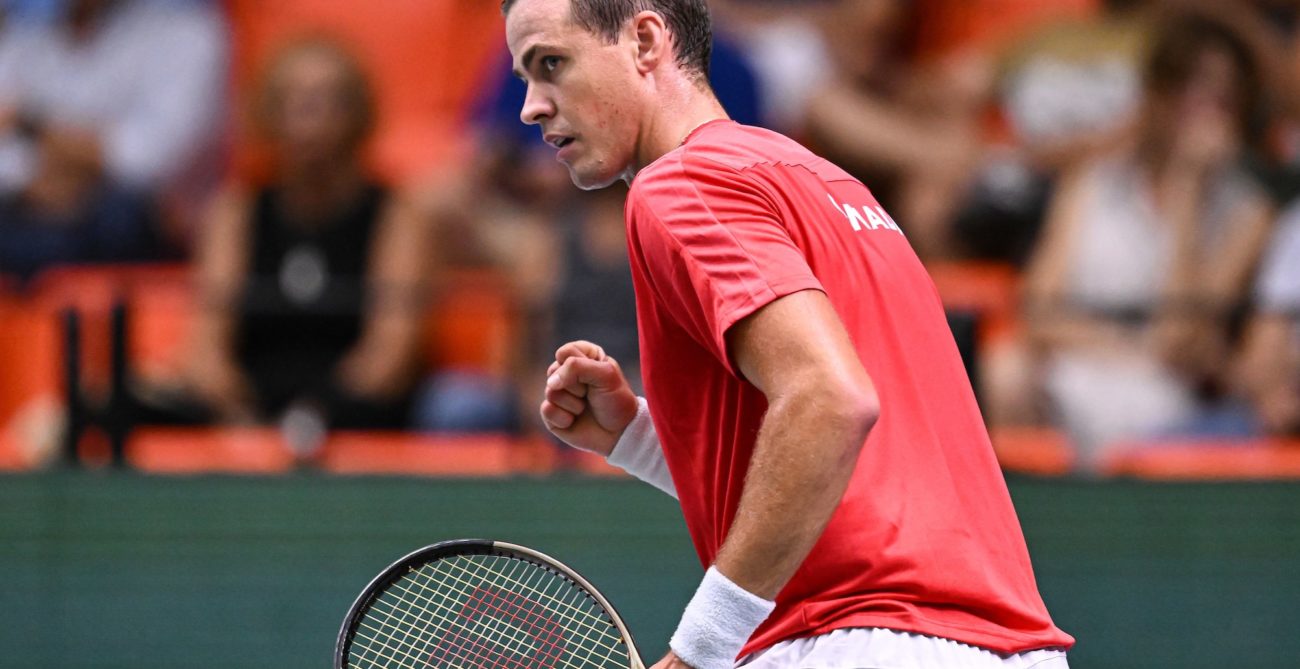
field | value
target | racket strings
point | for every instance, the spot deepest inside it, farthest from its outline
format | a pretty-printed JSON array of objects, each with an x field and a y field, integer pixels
[
  {"x": 504, "y": 638},
  {"x": 474, "y": 614},
  {"x": 497, "y": 579},
  {"x": 592, "y": 621},
  {"x": 408, "y": 636},
  {"x": 567, "y": 592},
  {"x": 413, "y": 640},
  {"x": 405, "y": 648},
  {"x": 501, "y": 579},
  {"x": 398, "y": 635}
]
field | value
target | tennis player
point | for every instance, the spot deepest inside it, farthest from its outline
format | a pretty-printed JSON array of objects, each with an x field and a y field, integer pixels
[{"x": 805, "y": 401}]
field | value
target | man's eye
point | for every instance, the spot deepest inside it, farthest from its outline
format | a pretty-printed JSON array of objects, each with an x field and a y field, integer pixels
[{"x": 551, "y": 63}]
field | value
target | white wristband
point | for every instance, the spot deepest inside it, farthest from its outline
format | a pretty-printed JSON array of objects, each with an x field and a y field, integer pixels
[
  {"x": 718, "y": 622},
  {"x": 638, "y": 451}
]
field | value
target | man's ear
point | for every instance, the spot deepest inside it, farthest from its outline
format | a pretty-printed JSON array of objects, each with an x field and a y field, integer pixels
[{"x": 652, "y": 39}]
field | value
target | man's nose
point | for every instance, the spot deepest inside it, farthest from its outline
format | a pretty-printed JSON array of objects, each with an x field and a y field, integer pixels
[{"x": 537, "y": 107}]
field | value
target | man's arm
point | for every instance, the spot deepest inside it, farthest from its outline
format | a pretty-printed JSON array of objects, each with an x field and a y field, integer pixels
[{"x": 821, "y": 405}]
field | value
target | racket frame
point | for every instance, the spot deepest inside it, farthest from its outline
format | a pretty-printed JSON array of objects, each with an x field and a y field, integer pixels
[{"x": 452, "y": 548}]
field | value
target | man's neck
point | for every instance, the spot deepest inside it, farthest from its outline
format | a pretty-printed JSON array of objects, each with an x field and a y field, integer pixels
[{"x": 684, "y": 109}]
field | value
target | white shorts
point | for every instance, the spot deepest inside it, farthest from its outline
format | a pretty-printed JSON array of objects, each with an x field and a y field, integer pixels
[{"x": 878, "y": 648}]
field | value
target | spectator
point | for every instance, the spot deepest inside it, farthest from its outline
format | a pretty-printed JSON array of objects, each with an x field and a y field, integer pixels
[
  {"x": 1272, "y": 362},
  {"x": 910, "y": 125},
  {"x": 427, "y": 59},
  {"x": 1271, "y": 372},
  {"x": 1148, "y": 250},
  {"x": 1065, "y": 93},
  {"x": 312, "y": 285},
  {"x": 102, "y": 111}
]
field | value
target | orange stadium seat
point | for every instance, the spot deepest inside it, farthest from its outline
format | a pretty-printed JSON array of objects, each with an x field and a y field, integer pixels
[
  {"x": 434, "y": 455},
  {"x": 30, "y": 373},
  {"x": 208, "y": 450},
  {"x": 474, "y": 323},
  {"x": 31, "y": 340},
  {"x": 1205, "y": 460},
  {"x": 162, "y": 306},
  {"x": 1040, "y": 451},
  {"x": 11, "y": 454},
  {"x": 15, "y": 339},
  {"x": 160, "y": 301},
  {"x": 990, "y": 290},
  {"x": 590, "y": 464},
  {"x": 20, "y": 379},
  {"x": 427, "y": 59},
  {"x": 91, "y": 292}
]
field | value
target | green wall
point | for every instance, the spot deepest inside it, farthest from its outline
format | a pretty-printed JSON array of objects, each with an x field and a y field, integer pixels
[{"x": 119, "y": 570}]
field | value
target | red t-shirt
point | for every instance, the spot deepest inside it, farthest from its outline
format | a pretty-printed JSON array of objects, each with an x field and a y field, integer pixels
[{"x": 925, "y": 539}]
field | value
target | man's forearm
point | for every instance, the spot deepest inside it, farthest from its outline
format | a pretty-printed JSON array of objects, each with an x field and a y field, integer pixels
[
  {"x": 804, "y": 457},
  {"x": 820, "y": 405},
  {"x": 803, "y": 460}
]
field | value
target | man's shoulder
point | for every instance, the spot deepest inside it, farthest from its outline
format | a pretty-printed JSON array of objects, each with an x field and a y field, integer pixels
[
  {"x": 720, "y": 149},
  {"x": 730, "y": 145}
]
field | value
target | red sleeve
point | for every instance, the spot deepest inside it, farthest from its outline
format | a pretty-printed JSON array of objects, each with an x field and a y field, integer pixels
[{"x": 714, "y": 248}]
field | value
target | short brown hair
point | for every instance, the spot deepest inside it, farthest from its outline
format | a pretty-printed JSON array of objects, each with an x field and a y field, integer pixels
[{"x": 688, "y": 21}]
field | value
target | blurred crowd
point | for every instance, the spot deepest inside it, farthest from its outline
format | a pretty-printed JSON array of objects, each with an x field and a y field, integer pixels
[{"x": 329, "y": 171}]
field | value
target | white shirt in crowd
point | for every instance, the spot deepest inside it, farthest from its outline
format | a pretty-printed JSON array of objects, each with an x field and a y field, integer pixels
[{"x": 149, "y": 80}]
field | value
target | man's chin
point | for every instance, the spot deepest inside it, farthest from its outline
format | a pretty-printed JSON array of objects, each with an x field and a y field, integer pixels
[{"x": 588, "y": 181}]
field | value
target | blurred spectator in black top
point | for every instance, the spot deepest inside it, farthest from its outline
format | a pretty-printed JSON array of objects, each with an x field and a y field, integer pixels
[
  {"x": 313, "y": 285},
  {"x": 104, "y": 109}
]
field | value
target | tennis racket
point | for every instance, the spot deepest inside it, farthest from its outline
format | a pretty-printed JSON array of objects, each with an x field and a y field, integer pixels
[{"x": 481, "y": 604}]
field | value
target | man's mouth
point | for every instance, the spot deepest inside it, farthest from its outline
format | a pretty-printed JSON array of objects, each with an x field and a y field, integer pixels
[{"x": 559, "y": 141}]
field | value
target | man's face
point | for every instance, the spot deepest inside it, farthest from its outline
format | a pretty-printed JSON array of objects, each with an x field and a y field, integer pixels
[{"x": 582, "y": 91}]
